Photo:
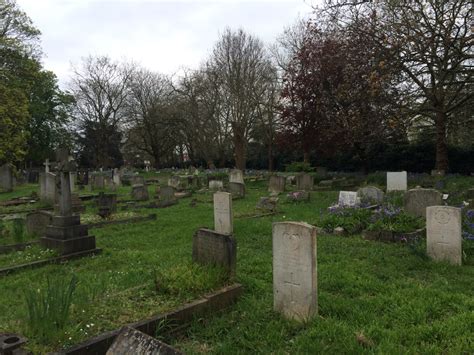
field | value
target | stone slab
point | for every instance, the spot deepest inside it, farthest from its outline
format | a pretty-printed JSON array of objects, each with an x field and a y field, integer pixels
[
  {"x": 397, "y": 181},
  {"x": 417, "y": 200},
  {"x": 223, "y": 213}
]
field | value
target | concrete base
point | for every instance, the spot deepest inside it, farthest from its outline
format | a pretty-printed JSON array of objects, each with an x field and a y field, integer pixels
[{"x": 69, "y": 246}]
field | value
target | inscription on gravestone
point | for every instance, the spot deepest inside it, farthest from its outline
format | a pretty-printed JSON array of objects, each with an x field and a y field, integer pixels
[
  {"x": 443, "y": 234},
  {"x": 294, "y": 270}
]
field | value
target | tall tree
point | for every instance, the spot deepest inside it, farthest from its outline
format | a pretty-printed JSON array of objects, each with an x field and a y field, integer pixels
[
  {"x": 99, "y": 87},
  {"x": 243, "y": 70},
  {"x": 431, "y": 42}
]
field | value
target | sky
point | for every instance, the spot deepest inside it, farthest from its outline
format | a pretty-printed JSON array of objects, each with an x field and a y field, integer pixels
[{"x": 164, "y": 36}]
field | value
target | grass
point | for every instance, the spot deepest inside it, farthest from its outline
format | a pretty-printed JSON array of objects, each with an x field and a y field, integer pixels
[{"x": 373, "y": 297}]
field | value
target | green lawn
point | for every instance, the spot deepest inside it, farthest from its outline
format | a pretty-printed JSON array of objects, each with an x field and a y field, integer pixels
[{"x": 373, "y": 297}]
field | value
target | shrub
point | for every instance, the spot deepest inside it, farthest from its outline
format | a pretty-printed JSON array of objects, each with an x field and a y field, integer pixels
[
  {"x": 353, "y": 220},
  {"x": 299, "y": 167}
]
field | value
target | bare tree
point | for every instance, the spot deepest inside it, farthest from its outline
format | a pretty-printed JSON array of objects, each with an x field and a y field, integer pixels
[
  {"x": 99, "y": 87},
  {"x": 243, "y": 71}
]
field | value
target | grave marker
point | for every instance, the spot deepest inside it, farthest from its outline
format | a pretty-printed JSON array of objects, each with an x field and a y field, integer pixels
[
  {"x": 443, "y": 234},
  {"x": 276, "y": 184},
  {"x": 237, "y": 176},
  {"x": 6, "y": 177},
  {"x": 237, "y": 189},
  {"x": 295, "y": 270},
  {"x": 348, "y": 199},
  {"x": 216, "y": 185},
  {"x": 223, "y": 213},
  {"x": 417, "y": 200},
  {"x": 370, "y": 194},
  {"x": 304, "y": 182},
  {"x": 397, "y": 181}
]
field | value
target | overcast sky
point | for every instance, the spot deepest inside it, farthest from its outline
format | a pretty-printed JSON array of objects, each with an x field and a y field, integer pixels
[{"x": 164, "y": 36}]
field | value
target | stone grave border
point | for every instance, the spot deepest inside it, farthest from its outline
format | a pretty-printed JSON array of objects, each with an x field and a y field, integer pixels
[
  {"x": 55, "y": 260},
  {"x": 178, "y": 319}
]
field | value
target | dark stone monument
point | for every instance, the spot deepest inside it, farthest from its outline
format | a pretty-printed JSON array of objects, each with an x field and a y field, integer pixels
[
  {"x": 140, "y": 192},
  {"x": 267, "y": 204},
  {"x": 36, "y": 222},
  {"x": 132, "y": 341},
  {"x": 106, "y": 204},
  {"x": 6, "y": 178},
  {"x": 66, "y": 233},
  {"x": 210, "y": 247},
  {"x": 237, "y": 189}
]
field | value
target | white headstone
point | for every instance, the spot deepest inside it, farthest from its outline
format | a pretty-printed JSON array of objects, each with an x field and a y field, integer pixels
[
  {"x": 223, "y": 213},
  {"x": 295, "y": 270},
  {"x": 397, "y": 181},
  {"x": 348, "y": 199},
  {"x": 443, "y": 233},
  {"x": 46, "y": 166},
  {"x": 236, "y": 175},
  {"x": 216, "y": 185}
]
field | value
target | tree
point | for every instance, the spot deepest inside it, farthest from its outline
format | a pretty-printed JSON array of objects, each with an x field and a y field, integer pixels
[
  {"x": 243, "y": 70},
  {"x": 431, "y": 43},
  {"x": 99, "y": 87}
]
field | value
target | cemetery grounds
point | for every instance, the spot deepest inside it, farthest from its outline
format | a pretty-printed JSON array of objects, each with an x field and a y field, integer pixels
[{"x": 372, "y": 296}]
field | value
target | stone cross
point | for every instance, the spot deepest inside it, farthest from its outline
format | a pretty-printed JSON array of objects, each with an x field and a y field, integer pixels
[
  {"x": 65, "y": 167},
  {"x": 46, "y": 166}
]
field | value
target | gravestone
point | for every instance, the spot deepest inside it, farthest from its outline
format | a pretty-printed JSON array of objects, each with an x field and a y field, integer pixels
[
  {"x": 295, "y": 270},
  {"x": 223, "y": 213},
  {"x": 73, "y": 179},
  {"x": 214, "y": 248},
  {"x": 66, "y": 234},
  {"x": 348, "y": 199},
  {"x": 174, "y": 181},
  {"x": 137, "y": 180},
  {"x": 167, "y": 193},
  {"x": 6, "y": 178},
  {"x": 267, "y": 204},
  {"x": 416, "y": 201},
  {"x": 116, "y": 177},
  {"x": 237, "y": 189},
  {"x": 304, "y": 182},
  {"x": 98, "y": 182},
  {"x": 36, "y": 222},
  {"x": 370, "y": 194},
  {"x": 276, "y": 184},
  {"x": 236, "y": 175},
  {"x": 298, "y": 196},
  {"x": 140, "y": 192},
  {"x": 443, "y": 234},
  {"x": 132, "y": 341},
  {"x": 397, "y": 181},
  {"x": 216, "y": 185},
  {"x": 106, "y": 204},
  {"x": 48, "y": 187}
]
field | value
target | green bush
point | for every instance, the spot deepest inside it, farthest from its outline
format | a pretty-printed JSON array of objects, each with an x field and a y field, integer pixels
[
  {"x": 353, "y": 220},
  {"x": 299, "y": 167}
]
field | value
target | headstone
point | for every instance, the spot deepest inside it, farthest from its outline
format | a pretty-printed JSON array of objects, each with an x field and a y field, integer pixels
[
  {"x": 132, "y": 341},
  {"x": 106, "y": 204},
  {"x": 223, "y": 213},
  {"x": 291, "y": 180},
  {"x": 6, "y": 178},
  {"x": 443, "y": 234},
  {"x": 304, "y": 182},
  {"x": 276, "y": 184},
  {"x": 167, "y": 193},
  {"x": 36, "y": 222},
  {"x": 48, "y": 187},
  {"x": 397, "y": 181},
  {"x": 116, "y": 177},
  {"x": 140, "y": 192},
  {"x": 174, "y": 181},
  {"x": 416, "y": 201},
  {"x": 98, "y": 181},
  {"x": 295, "y": 270},
  {"x": 237, "y": 189},
  {"x": 46, "y": 166},
  {"x": 66, "y": 234},
  {"x": 236, "y": 175},
  {"x": 216, "y": 185},
  {"x": 298, "y": 196},
  {"x": 73, "y": 179},
  {"x": 137, "y": 180},
  {"x": 348, "y": 199},
  {"x": 267, "y": 204},
  {"x": 370, "y": 194},
  {"x": 211, "y": 247}
]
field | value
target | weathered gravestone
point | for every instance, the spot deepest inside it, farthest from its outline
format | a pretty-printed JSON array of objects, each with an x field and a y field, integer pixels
[
  {"x": 47, "y": 187},
  {"x": 73, "y": 180},
  {"x": 267, "y": 204},
  {"x": 236, "y": 175},
  {"x": 348, "y": 199},
  {"x": 237, "y": 189},
  {"x": 216, "y": 185},
  {"x": 6, "y": 178},
  {"x": 137, "y": 180},
  {"x": 298, "y": 196},
  {"x": 223, "y": 213},
  {"x": 211, "y": 247},
  {"x": 97, "y": 181},
  {"x": 66, "y": 234},
  {"x": 276, "y": 184},
  {"x": 370, "y": 194},
  {"x": 140, "y": 192},
  {"x": 106, "y": 204},
  {"x": 36, "y": 222},
  {"x": 131, "y": 341},
  {"x": 295, "y": 270},
  {"x": 443, "y": 234},
  {"x": 167, "y": 193},
  {"x": 116, "y": 177},
  {"x": 174, "y": 181},
  {"x": 397, "y": 181},
  {"x": 416, "y": 201},
  {"x": 304, "y": 182}
]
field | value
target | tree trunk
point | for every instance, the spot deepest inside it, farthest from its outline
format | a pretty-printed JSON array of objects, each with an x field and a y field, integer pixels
[
  {"x": 239, "y": 151},
  {"x": 306, "y": 157},
  {"x": 270, "y": 157},
  {"x": 441, "y": 142}
]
